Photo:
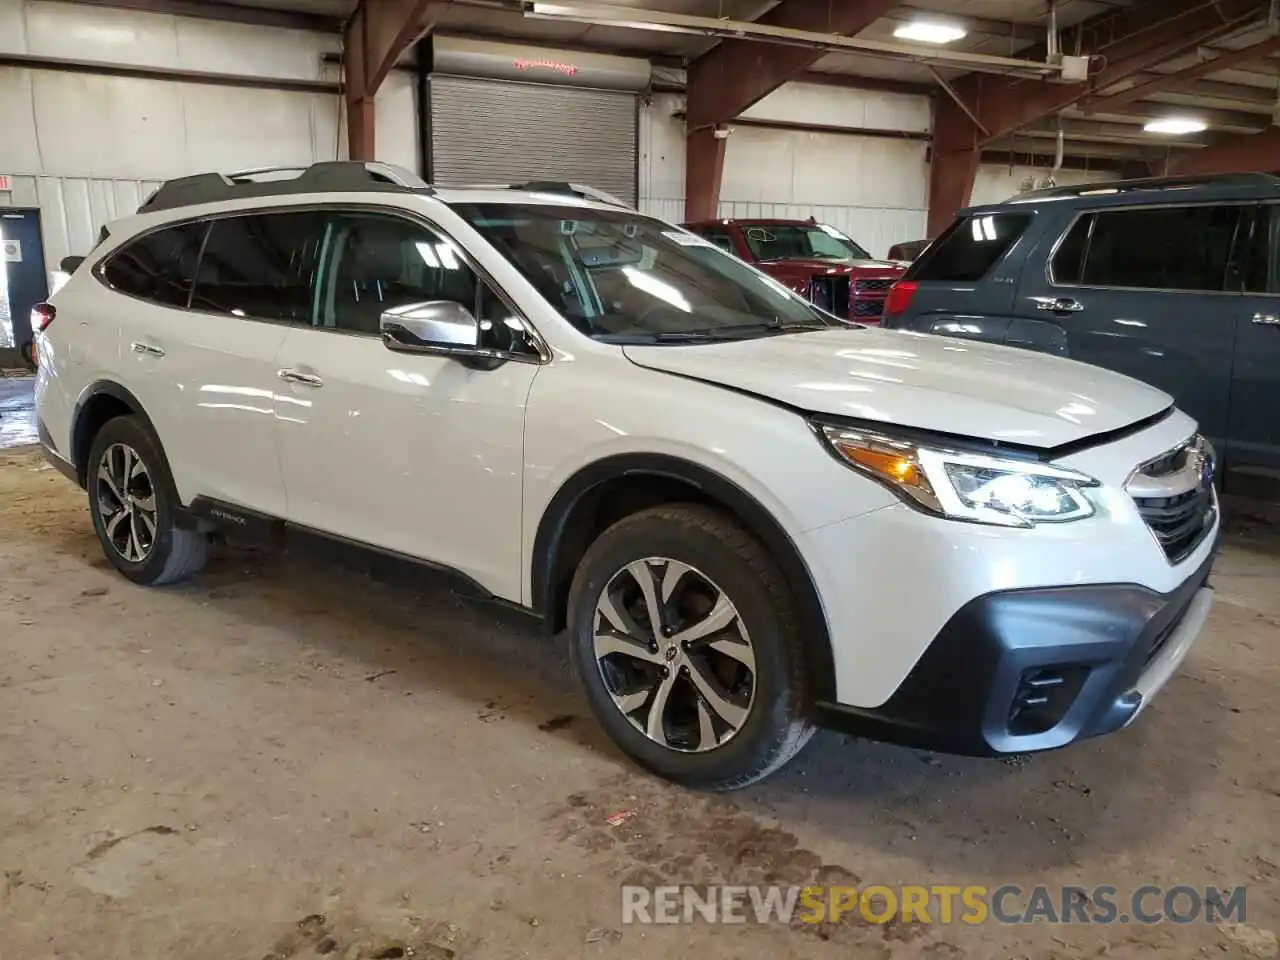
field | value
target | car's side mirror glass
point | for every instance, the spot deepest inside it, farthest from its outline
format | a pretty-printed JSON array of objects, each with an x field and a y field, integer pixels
[
  {"x": 433, "y": 326},
  {"x": 70, "y": 265}
]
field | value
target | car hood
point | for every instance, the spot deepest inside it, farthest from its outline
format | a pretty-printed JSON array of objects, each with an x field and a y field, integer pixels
[{"x": 924, "y": 381}]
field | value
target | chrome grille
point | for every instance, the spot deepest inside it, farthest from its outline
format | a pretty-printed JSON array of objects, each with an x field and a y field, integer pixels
[
  {"x": 1174, "y": 494},
  {"x": 865, "y": 309},
  {"x": 872, "y": 285}
]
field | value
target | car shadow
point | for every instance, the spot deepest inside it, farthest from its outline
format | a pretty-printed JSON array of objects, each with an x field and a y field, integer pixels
[{"x": 943, "y": 813}]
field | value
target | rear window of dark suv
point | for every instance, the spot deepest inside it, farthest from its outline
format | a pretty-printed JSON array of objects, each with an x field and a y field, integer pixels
[{"x": 970, "y": 247}]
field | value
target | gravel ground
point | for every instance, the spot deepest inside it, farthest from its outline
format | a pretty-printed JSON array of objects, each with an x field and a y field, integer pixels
[{"x": 281, "y": 759}]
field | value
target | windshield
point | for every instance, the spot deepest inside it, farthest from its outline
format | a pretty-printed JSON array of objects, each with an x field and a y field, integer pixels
[
  {"x": 800, "y": 241},
  {"x": 624, "y": 277}
]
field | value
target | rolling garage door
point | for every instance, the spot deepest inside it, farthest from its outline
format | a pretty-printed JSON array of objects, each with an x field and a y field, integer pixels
[{"x": 496, "y": 131}]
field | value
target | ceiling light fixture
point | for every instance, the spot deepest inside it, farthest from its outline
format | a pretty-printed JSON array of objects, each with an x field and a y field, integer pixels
[
  {"x": 1178, "y": 126},
  {"x": 927, "y": 31}
]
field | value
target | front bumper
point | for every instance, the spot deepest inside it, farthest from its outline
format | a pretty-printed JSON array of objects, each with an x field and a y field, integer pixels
[{"x": 1017, "y": 671}]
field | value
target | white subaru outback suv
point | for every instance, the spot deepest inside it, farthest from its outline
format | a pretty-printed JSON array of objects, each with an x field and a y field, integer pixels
[{"x": 752, "y": 518}]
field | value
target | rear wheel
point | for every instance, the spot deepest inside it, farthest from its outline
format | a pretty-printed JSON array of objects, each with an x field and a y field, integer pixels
[
  {"x": 685, "y": 636},
  {"x": 133, "y": 503}
]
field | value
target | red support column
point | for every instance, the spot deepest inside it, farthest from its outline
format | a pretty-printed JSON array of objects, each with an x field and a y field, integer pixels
[
  {"x": 375, "y": 37},
  {"x": 703, "y": 173},
  {"x": 953, "y": 165}
]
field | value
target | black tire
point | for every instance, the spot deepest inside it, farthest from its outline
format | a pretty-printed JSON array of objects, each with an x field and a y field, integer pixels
[
  {"x": 776, "y": 726},
  {"x": 173, "y": 553}
]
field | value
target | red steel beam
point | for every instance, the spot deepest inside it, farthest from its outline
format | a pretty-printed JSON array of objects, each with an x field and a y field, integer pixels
[
  {"x": 737, "y": 73},
  {"x": 1181, "y": 79},
  {"x": 1234, "y": 154},
  {"x": 375, "y": 37},
  {"x": 1127, "y": 43},
  {"x": 1174, "y": 27}
]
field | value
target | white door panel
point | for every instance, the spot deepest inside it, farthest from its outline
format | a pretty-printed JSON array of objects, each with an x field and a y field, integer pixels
[
  {"x": 407, "y": 452},
  {"x": 208, "y": 384}
]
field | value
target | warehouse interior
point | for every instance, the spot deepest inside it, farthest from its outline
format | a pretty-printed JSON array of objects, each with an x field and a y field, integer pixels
[{"x": 282, "y": 759}]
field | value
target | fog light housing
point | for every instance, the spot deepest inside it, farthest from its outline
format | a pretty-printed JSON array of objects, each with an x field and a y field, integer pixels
[{"x": 1043, "y": 697}]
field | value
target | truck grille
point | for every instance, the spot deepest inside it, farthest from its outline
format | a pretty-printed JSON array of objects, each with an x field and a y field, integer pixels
[
  {"x": 1175, "y": 496},
  {"x": 881, "y": 284},
  {"x": 868, "y": 298}
]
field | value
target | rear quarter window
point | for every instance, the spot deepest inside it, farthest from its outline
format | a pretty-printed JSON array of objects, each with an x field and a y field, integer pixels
[
  {"x": 970, "y": 247},
  {"x": 159, "y": 266}
]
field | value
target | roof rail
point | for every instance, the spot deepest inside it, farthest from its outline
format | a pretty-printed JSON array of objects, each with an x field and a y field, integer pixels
[
  {"x": 334, "y": 176},
  {"x": 1155, "y": 183}
]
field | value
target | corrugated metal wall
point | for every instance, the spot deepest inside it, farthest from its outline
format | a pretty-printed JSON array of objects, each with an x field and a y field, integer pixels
[
  {"x": 998, "y": 182},
  {"x": 86, "y": 147},
  {"x": 873, "y": 188}
]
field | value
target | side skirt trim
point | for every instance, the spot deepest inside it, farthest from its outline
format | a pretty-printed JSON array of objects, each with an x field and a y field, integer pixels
[{"x": 241, "y": 523}]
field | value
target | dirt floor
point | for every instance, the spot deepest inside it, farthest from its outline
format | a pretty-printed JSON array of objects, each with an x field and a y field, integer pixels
[{"x": 281, "y": 759}]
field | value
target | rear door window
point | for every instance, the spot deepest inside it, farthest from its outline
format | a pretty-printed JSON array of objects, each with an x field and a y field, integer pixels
[
  {"x": 970, "y": 247},
  {"x": 159, "y": 266},
  {"x": 1160, "y": 248},
  {"x": 261, "y": 266}
]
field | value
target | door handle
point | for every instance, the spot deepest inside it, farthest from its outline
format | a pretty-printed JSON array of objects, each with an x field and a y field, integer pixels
[
  {"x": 297, "y": 376},
  {"x": 1266, "y": 320},
  {"x": 150, "y": 349},
  {"x": 1058, "y": 304}
]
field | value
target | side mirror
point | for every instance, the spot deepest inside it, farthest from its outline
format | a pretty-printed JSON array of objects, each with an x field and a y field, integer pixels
[
  {"x": 70, "y": 265},
  {"x": 436, "y": 326}
]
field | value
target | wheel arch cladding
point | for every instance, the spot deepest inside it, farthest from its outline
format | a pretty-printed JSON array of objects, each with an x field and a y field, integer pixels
[
  {"x": 104, "y": 400},
  {"x": 604, "y": 492}
]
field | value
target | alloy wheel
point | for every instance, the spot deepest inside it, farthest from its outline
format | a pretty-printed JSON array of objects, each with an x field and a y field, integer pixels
[
  {"x": 674, "y": 654},
  {"x": 126, "y": 501}
]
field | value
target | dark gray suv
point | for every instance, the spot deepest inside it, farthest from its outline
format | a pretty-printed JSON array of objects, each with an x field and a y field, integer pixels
[{"x": 1172, "y": 281}]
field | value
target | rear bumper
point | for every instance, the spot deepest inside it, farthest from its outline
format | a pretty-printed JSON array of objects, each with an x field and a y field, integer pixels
[{"x": 1025, "y": 670}]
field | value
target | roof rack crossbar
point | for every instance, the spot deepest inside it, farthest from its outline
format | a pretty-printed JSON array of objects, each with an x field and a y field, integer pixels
[{"x": 328, "y": 175}]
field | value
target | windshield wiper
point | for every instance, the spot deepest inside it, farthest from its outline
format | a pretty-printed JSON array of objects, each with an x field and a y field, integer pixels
[{"x": 735, "y": 331}]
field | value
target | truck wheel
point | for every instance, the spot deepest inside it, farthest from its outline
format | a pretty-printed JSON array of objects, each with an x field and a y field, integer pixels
[
  {"x": 133, "y": 503},
  {"x": 685, "y": 636}
]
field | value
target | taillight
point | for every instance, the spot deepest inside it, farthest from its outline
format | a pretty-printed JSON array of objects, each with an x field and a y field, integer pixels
[
  {"x": 42, "y": 314},
  {"x": 900, "y": 296}
]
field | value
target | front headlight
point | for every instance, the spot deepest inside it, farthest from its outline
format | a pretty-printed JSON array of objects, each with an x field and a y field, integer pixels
[{"x": 978, "y": 487}]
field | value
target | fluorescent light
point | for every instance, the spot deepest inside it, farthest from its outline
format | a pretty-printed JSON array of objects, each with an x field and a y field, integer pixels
[
  {"x": 927, "y": 31},
  {"x": 1175, "y": 125}
]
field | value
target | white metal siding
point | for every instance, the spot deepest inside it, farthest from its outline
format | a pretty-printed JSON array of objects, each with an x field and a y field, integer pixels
[
  {"x": 996, "y": 183},
  {"x": 873, "y": 188},
  {"x": 88, "y": 147},
  {"x": 494, "y": 131}
]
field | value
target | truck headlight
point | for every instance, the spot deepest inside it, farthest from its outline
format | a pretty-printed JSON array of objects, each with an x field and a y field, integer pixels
[{"x": 978, "y": 487}]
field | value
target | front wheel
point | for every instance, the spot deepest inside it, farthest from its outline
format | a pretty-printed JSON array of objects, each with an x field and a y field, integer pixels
[
  {"x": 134, "y": 504},
  {"x": 685, "y": 635}
]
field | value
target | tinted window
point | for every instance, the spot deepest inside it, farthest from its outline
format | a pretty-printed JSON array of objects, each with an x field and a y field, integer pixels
[
  {"x": 1256, "y": 265},
  {"x": 1069, "y": 260},
  {"x": 379, "y": 262},
  {"x": 970, "y": 247},
  {"x": 260, "y": 266},
  {"x": 158, "y": 267},
  {"x": 1162, "y": 248},
  {"x": 720, "y": 238}
]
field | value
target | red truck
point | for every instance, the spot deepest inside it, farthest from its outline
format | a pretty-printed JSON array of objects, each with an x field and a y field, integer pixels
[{"x": 813, "y": 259}]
